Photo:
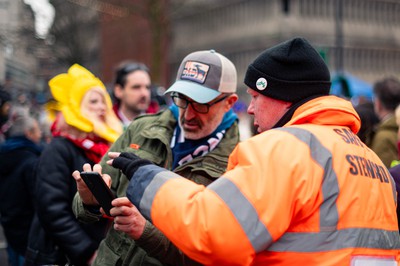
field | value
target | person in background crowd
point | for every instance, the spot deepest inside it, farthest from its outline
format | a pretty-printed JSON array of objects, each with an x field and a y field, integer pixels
[
  {"x": 369, "y": 121},
  {"x": 395, "y": 165},
  {"x": 193, "y": 138},
  {"x": 387, "y": 98},
  {"x": 22, "y": 101},
  {"x": 82, "y": 132},
  {"x": 18, "y": 159},
  {"x": 5, "y": 107},
  {"x": 132, "y": 91},
  {"x": 304, "y": 191}
]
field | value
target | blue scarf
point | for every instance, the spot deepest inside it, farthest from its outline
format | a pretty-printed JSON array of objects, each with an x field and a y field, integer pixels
[
  {"x": 14, "y": 143},
  {"x": 185, "y": 150}
]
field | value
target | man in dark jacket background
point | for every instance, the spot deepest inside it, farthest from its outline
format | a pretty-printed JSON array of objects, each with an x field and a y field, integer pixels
[
  {"x": 18, "y": 159},
  {"x": 5, "y": 106}
]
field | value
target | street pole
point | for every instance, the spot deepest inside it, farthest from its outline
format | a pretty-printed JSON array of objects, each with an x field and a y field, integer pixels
[{"x": 339, "y": 36}]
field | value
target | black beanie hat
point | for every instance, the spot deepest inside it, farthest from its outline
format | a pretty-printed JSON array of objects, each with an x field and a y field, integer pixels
[{"x": 290, "y": 71}]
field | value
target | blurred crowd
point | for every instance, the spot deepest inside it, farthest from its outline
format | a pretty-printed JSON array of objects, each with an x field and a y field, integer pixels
[{"x": 41, "y": 145}]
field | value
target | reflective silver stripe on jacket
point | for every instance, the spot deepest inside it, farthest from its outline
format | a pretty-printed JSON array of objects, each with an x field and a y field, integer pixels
[
  {"x": 329, "y": 238},
  {"x": 160, "y": 176},
  {"x": 244, "y": 212},
  {"x": 330, "y": 188}
]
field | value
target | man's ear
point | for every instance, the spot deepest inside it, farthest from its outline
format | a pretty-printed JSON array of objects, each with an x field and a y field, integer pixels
[
  {"x": 28, "y": 134},
  {"x": 118, "y": 91},
  {"x": 377, "y": 106},
  {"x": 230, "y": 101}
]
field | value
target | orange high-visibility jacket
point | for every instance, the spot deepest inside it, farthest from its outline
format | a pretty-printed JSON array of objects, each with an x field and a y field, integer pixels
[{"x": 309, "y": 193}]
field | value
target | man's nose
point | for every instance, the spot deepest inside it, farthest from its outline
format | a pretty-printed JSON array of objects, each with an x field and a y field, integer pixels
[
  {"x": 190, "y": 112},
  {"x": 250, "y": 109},
  {"x": 144, "y": 90}
]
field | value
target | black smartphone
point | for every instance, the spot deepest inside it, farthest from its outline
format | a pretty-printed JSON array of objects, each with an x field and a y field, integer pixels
[{"x": 100, "y": 190}]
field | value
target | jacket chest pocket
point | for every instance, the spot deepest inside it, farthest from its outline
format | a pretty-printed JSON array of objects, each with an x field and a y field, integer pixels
[{"x": 155, "y": 157}]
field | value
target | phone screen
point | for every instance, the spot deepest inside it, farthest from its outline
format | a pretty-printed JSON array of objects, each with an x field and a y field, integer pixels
[{"x": 100, "y": 190}]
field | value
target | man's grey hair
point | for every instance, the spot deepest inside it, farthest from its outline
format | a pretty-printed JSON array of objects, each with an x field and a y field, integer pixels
[{"x": 21, "y": 122}]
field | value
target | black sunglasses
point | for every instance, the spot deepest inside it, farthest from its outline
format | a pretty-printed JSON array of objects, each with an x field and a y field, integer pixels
[{"x": 201, "y": 108}]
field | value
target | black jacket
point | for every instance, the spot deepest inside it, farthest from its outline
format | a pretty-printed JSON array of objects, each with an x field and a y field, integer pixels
[
  {"x": 18, "y": 159},
  {"x": 395, "y": 172},
  {"x": 56, "y": 236}
]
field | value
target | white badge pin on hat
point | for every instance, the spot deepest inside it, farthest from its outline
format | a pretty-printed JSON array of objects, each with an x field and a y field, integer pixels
[{"x": 261, "y": 84}]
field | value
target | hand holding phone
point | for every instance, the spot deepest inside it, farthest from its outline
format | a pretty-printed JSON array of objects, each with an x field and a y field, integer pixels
[{"x": 99, "y": 189}]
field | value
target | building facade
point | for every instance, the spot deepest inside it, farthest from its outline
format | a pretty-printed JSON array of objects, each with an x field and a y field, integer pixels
[
  {"x": 17, "y": 60},
  {"x": 136, "y": 30},
  {"x": 361, "y": 37}
]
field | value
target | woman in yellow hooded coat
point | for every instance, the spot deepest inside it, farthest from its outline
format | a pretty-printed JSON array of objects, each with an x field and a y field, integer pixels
[{"x": 82, "y": 132}]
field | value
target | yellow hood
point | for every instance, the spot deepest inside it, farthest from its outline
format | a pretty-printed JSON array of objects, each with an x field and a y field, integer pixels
[{"x": 68, "y": 90}]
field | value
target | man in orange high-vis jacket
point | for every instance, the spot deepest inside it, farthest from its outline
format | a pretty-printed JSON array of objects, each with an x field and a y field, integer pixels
[{"x": 305, "y": 191}]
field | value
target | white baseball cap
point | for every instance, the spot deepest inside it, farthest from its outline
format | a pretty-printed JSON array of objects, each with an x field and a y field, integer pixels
[{"x": 204, "y": 75}]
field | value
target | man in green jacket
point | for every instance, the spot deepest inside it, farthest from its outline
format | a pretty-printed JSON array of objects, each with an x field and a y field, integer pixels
[
  {"x": 194, "y": 138},
  {"x": 386, "y": 99}
]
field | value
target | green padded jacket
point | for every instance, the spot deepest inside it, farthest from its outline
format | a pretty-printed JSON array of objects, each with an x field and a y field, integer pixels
[
  {"x": 149, "y": 137},
  {"x": 384, "y": 143}
]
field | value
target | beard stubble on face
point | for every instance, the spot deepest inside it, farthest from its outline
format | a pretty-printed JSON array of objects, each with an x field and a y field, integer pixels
[
  {"x": 192, "y": 125},
  {"x": 144, "y": 100},
  {"x": 192, "y": 129},
  {"x": 140, "y": 105}
]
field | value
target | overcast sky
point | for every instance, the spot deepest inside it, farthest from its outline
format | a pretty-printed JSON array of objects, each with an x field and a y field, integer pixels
[{"x": 44, "y": 16}]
